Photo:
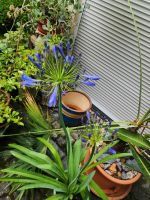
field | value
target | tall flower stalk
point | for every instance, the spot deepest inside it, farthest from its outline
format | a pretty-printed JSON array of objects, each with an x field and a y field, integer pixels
[{"x": 140, "y": 56}]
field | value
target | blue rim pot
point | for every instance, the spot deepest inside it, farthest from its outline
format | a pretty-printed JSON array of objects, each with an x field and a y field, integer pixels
[{"x": 75, "y": 104}]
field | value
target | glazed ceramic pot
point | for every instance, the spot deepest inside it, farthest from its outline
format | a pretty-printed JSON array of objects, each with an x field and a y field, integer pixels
[
  {"x": 75, "y": 104},
  {"x": 114, "y": 188}
]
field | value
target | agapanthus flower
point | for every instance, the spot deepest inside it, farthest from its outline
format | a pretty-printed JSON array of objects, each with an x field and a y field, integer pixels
[
  {"x": 63, "y": 92},
  {"x": 88, "y": 83},
  {"x": 91, "y": 77},
  {"x": 53, "y": 98},
  {"x": 69, "y": 59},
  {"x": 112, "y": 151},
  {"x": 61, "y": 51},
  {"x": 77, "y": 77},
  {"x": 88, "y": 115},
  {"x": 39, "y": 66},
  {"x": 24, "y": 77},
  {"x": 28, "y": 81},
  {"x": 39, "y": 56},
  {"x": 115, "y": 131},
  {"x": 68, "y": 47},
  {"x": 54, "y": 50},
  {"x": 84, "y": 140}
]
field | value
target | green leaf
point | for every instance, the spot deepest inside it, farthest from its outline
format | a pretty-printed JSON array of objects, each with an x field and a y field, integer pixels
[
  {"x": 52, "y": 169},
  {"x": 143, "y": 164},
  {"x": 98, "y": 190},
  {"x": 71, "y": 167},
  {"x": 18, "y": 180},
  {"x": 103, "y": 150},
  {"x": 76, "y": 156},
  {"x": 85, "y": 194},
  {"x": 85, "y": 183},
  {"x": 42, "y": 185},
  {"x": 133, "y": 138},
  {"x": 41, "y": 158},
  {"x": 55, "y": 154},
  {"x": 107, "y": 158},
  {"x": 56, "y": 197},
  {"x": 33, "y": 175}
]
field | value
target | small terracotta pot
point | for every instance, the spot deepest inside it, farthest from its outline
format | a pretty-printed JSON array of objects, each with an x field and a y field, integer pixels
[
  {"x": 114, "y": 188},
  {"x": 75, "y": 104},
  {"x": 7, "y": 96}
]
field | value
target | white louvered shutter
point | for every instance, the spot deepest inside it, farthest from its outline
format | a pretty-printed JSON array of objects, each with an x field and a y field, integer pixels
[{"x": 107, "y": 40}]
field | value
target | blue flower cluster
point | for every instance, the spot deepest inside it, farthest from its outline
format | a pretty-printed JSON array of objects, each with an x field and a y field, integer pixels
[{"x": 56, "y": 51}]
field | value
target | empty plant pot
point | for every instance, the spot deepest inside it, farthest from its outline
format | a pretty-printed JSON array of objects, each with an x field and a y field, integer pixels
[
  {"x": 75, "y": 104},
  {"x": 114, "y": 188}
]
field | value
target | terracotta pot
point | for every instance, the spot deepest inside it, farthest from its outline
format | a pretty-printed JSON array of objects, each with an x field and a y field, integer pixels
[
  {"x": 74, "y": 107},
  {"x": 114, "y": 188},
  {"x": 7, "y": 97}
]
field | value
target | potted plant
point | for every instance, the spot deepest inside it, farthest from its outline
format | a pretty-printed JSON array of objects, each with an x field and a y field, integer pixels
[
  {"x": 49, "y": 172},
  {"x": 56, "y": 66},
  {"x": 75, "y": 104},
  {"x": 117, "y": 177}
]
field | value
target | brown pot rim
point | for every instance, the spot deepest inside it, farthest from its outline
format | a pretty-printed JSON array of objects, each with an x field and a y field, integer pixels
[
  {"x": 115, "y": 180},
  {"x": 77, "y": 91}
]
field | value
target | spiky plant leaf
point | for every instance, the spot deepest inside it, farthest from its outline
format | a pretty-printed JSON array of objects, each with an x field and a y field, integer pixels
[
  {"x": 143, "y": 164},
  {"x": 133, "y": 138},
  {"x": 98, "y": 190},
  {"x": 36, "y": 118}
]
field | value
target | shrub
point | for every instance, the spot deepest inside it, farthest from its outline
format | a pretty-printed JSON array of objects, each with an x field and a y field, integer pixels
[{"x": 4, "y": 7}]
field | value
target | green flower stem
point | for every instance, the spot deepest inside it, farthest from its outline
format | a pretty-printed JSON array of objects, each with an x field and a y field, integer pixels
[
  {"x": 140, "y": 56},
  {"x": 62, "y": 120},
  {"x": 91, "y": 156},
  {"x": 71, "y": 128}
]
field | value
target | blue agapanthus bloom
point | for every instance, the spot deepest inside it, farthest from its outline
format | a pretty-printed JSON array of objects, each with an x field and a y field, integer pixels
[
  {"x": 39, "y": 56},
  {"x": 28, "y": 81},
  {"x": 39, "y": 66},
  {"x": 115, "y": 131},
  {"x": 61, "y": 50},
  {"x": 88, "y": 83},
  {"x": 91, "y": 77},
  {"x": 53, "y": 98},
  {"x": 111, "y": 151},
  {"x": 24, "y": 77},
  {"x": 68, "y": 47},
  {"x": 88, "y": 115},
  {"x": 69, "y": 59}
]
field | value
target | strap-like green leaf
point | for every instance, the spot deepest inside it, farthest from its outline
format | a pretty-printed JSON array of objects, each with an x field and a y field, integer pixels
[
  {"x": 107, "y": 158},
  {"x": 55, "y": 154},
  {"x": 71, "y": 167},
  {"x": 143, "y": 164},
  {"x": 56, "y": 197},
  {"x": 98, "y": 190},
  {"x": 52, "y": 169},
  {"x": 103, "y": 150},
  {"x": 41, "y": 158},
  {"x": 133, "y": 138},
  {"x": 42, "y": 185},
  {"x": 86, "y": 181},
  {"x": 18, "y": 180},
  {"x": 76, "y": 156},
  {"x": 33, "y": 175}
]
